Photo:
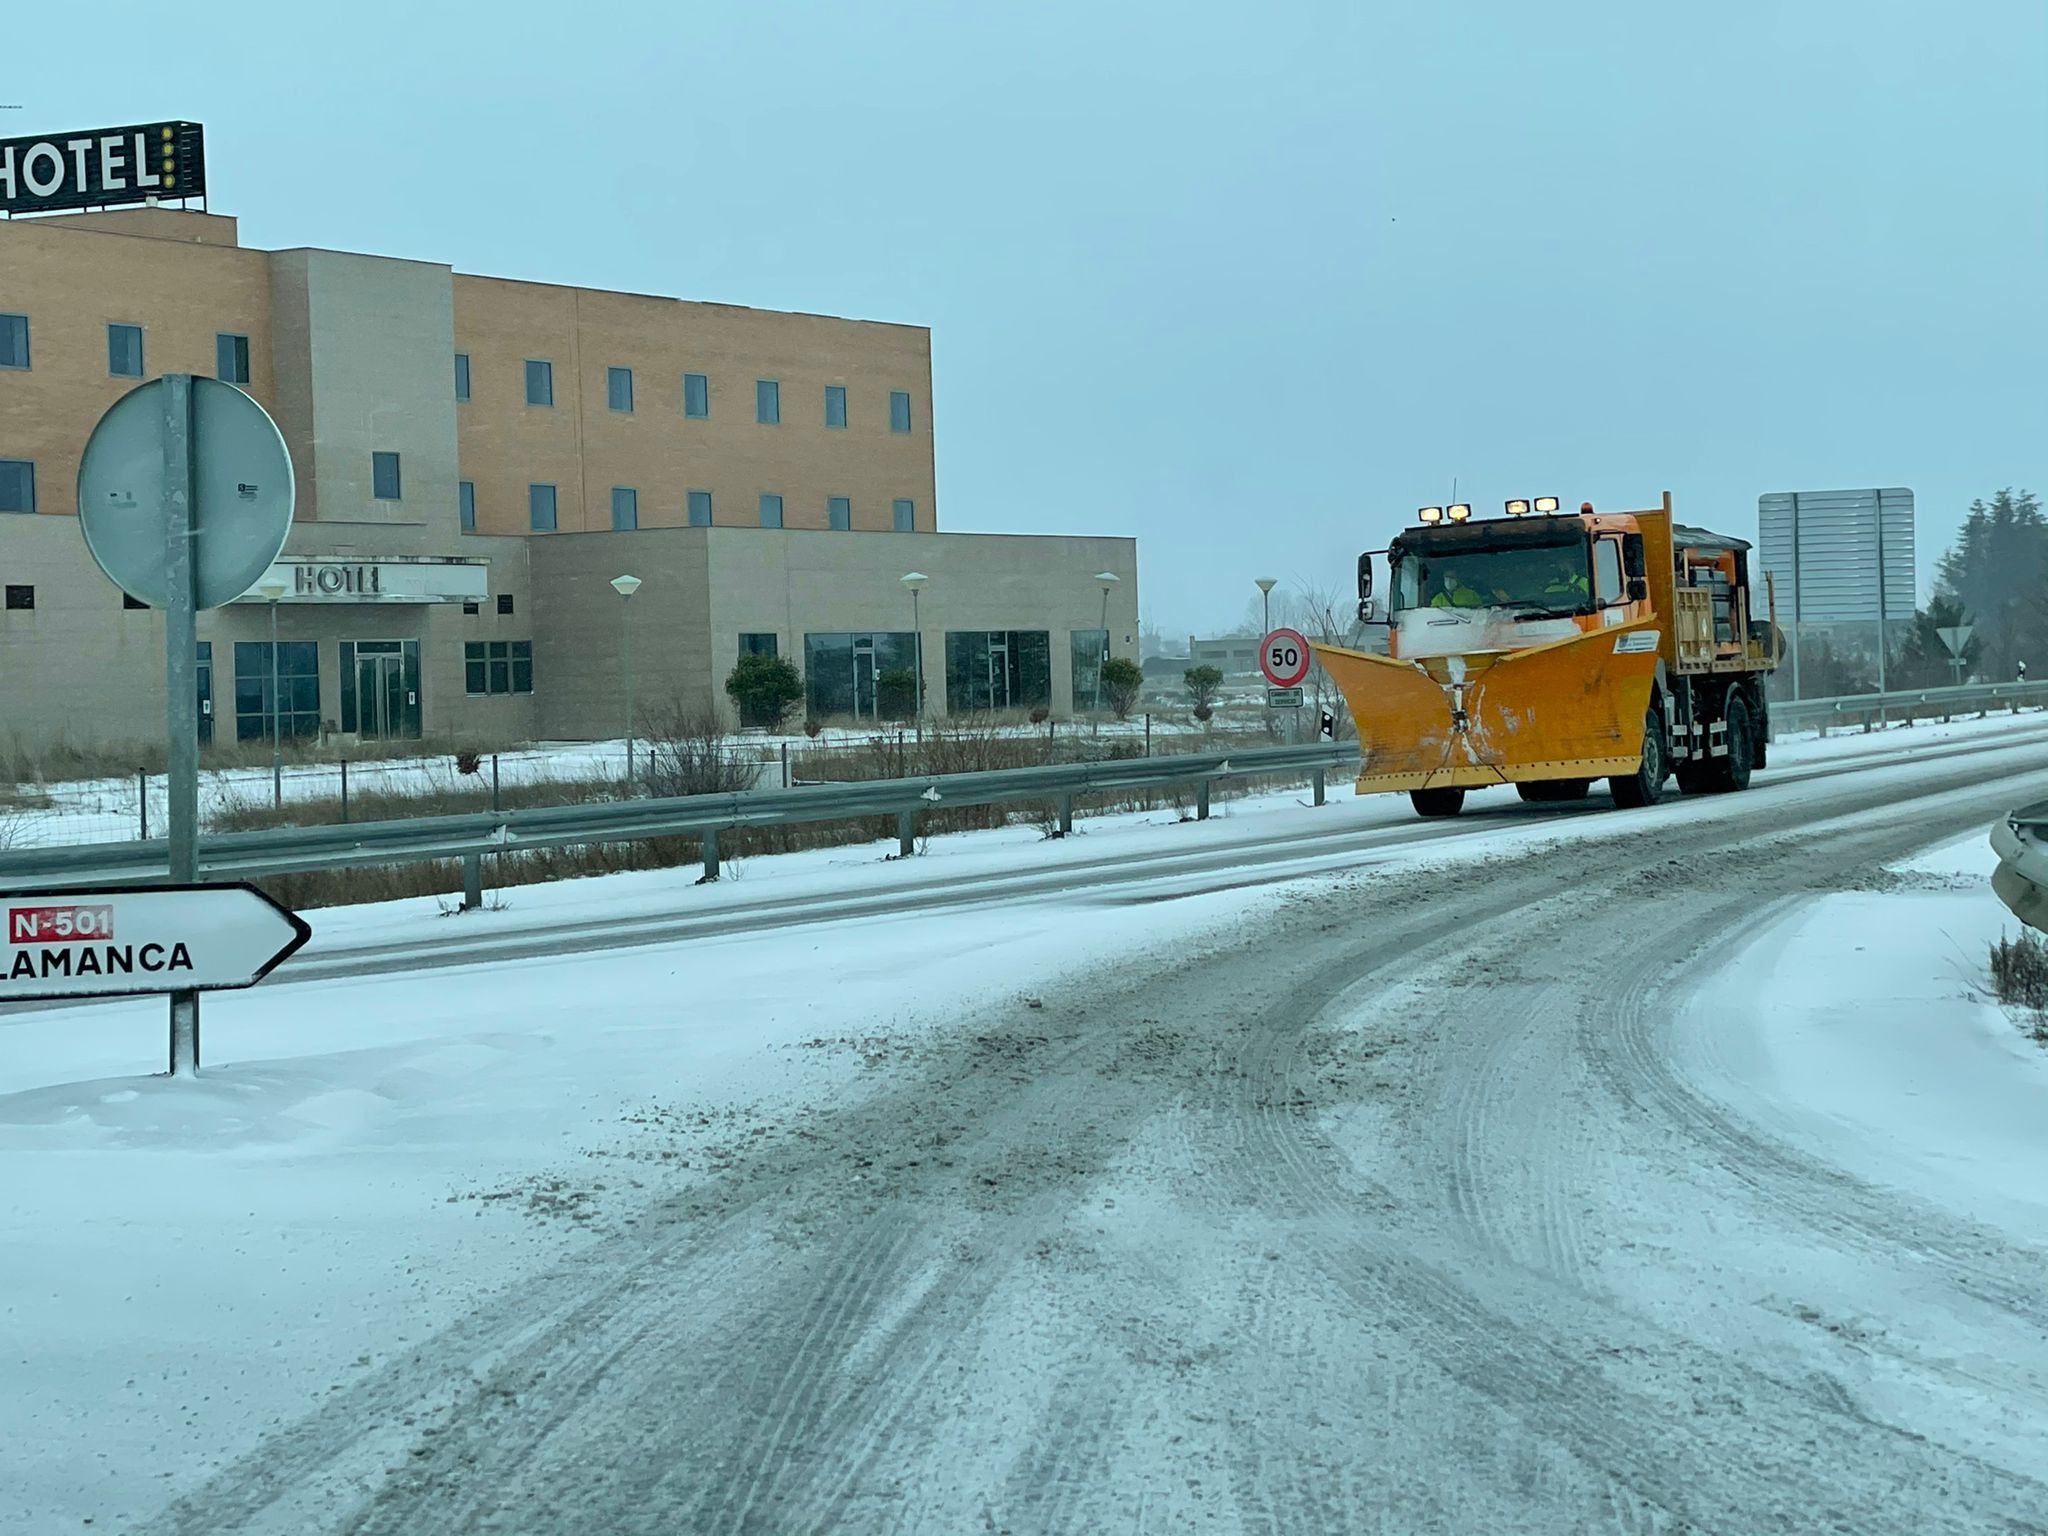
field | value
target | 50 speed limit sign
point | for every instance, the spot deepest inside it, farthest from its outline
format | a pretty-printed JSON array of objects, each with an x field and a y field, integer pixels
[{"x": 1284, "y": 657}]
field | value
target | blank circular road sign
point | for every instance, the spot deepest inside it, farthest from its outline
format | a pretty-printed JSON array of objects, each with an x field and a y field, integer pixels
[
  {"x": 242, "y": 493},
  {"x": 1285, "y": 658}
]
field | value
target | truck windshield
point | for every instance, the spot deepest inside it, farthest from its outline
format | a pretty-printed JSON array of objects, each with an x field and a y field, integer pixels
[{"x": 1552, "y": 580}]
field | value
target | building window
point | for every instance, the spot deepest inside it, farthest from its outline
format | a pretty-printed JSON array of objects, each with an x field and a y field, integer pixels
[
  {"x": 540, "y": 508},
  {"x": 384, "y": 476},
  {"x": 867, "y": 676},
  {"x": 465, "y": 503},
  {"x": 757, "y": 644},
  {"x": 540, "y": 382},
  {"x": 504, "y": 602},
  {"x": 899, "y": 410},
  {"x": 298, "y": 690},
  {"x": 696, "y": 395},
  {"x": 771, "y": 510},
  {"x": 835, "y": 405},
  {"x": 231, "y": 358},
  {"x": 21, "y": 599},
  {"x": 124, "y": 351},
  {"x": 471, "y": 607},
  {"x": 767, "y": 402},
  {"x": 618, "y": 389},
  {"x": 700, "y": 509},
  {"x": 462, "y": 375},
  {"x": 380, "y": 689},
  {"x": 997, "y": 669},
  {"x": 497, "y": 666},
  {"x": 1090, "y": 649},
  {"x": 839, "y": 512},
  {"x": 625, "y": 509},
  {"x": 17, "y": 485},
  {"x": 906, "y": 516},
  {"x": 13, "y": 341}
]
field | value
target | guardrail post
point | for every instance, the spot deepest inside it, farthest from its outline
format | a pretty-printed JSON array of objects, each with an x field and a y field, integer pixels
[
  {"x": 1066, "y": 814},
  {"x": 494, "y": 783},
  {"x": 906, "y": 834},
  {"x": 1321, "y": 776},
  {"x": 472, "y": 881},
  {"x": 142, "y": 798},
  {"x": 1202, "y": 801},
  {"x": 710, "y": 856},
  {"x": 344, "y": 790}
]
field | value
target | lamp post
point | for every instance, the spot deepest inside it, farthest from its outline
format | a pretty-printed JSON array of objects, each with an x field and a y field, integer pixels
[
  {"x": 915, "y": 580},
  {"x": 1104, "y": 580},
  {"x": 626, "y": 586},
  {"x": 272, "y": 590},
  {"x": 1266, "y": 584}
]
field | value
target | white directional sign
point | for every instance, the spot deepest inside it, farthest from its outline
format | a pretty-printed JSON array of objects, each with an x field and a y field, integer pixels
[
  {"x": 140, "y": 939},
  {"x": 1283, "y": 698}
]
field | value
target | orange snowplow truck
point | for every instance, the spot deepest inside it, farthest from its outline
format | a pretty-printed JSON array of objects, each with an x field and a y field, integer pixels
[{"x": 1547, "y": 649}]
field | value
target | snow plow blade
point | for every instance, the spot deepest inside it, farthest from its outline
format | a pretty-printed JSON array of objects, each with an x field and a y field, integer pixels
[{"x": 1571, "y": 709}]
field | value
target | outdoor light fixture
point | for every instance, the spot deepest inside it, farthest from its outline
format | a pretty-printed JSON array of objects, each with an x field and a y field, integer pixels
[
  {"x": 1546, "y": 503},
  {"x": 1458, "y": 513},
  {"x": 1431, "y": 514},
  {"x": 625, "y": 586},
  {"x": 1517, "y": 508}
]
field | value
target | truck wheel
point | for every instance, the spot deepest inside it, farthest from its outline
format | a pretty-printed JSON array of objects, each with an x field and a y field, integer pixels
[
  {"x": 1437, "y": 802},
  {"x": 1733, "y": 771},
  {"x": 1542, "y": 791},
  {"x": 1646, "y": 785}
]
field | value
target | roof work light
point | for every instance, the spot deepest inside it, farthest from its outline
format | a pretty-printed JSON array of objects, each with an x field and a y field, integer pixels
[
  {"x": 1458, "y": 513},
  {"x": 1431, "y": 514},
  {"x": 1546, "y": 503},
  {"x": 1517, "y": 508}
]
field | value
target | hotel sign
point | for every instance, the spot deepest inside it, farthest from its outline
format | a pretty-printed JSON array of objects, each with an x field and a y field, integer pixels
[
  {"x": 348, "y": 580},
  {"x": 100, "y": 167}
]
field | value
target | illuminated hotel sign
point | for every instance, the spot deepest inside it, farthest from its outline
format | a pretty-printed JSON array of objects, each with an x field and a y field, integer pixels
[{"x": 100, "y": 167}]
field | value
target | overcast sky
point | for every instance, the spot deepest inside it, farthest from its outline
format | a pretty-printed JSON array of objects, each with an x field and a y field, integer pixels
[{"x": 1247, "y": 282}]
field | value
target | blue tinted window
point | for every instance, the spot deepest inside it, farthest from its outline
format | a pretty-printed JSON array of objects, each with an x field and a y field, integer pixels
[
  {"x": 625, "y": 509},
  {"x": 465, "y": 502},
  {"x": 771, "y": 511},
  {"x": 906, "y": 516},
  {"x": 462, "y": 375},
  {"x": 839, "y": 512},
  {"x": 13, "y": 341},
  {"x": 767, "y": 402},
  {"x": 899, "y": 410},
  {"x": 618, "y": 388},
  {"x": 384, "y": 476},
  {"x": 540, "y": 382},
  {"x": 17, "y": 485},
  {"x": 835, "y": 405},
  {"x": 696, "y": 395},
  {"x": 540, "y": 508},
  {"x": 124, "y": 351},
  {"x": 700, "y": 509},
  {"x": 231, "y": 359}
]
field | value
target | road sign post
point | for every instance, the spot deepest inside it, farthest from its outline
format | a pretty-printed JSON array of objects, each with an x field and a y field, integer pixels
[
  {"x": 1285, "y": 658},
  {"x": 1955, "y": 637},
  {"x": 125, "y": 941},
  {"x": 185, "y": 498}
]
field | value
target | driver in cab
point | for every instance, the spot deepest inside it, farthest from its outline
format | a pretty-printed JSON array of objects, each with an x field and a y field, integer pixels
[{"x": 1452, "y": 591}]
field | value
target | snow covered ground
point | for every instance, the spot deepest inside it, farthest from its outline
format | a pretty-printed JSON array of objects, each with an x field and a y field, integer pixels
[{"x": 185, "y": 1267}]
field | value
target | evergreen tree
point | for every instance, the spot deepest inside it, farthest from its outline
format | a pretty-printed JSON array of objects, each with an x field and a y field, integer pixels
[{"x": 1998, "y": 572}]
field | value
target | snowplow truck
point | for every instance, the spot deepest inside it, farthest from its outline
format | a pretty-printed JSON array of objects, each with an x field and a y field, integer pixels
[{"x": 1548, "y": 649}]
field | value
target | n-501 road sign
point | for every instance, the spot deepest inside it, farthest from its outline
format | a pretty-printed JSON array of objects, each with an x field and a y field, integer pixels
[
  {"x": 1285, "y": 658},
  {"x": 140, "y": 939}
]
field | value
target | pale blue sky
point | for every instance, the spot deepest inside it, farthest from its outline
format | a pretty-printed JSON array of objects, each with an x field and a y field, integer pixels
[{"x": 1249, "y": 283}]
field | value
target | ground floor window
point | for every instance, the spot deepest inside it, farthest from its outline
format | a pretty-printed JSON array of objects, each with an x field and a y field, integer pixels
[
  {"x": 997, "y": 669},
  {"x": 868, "y": 676},
  {"x": 1090, "y": 648},
  {"x": 757, "y": 644},
  {"x": 498, "y": 666},
  {"x": 380, "y": 689},
  {"x": 298, "y": 690}
]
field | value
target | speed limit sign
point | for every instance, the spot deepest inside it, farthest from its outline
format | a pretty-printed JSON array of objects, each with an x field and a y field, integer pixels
[{"x": 1284, "y": 657}]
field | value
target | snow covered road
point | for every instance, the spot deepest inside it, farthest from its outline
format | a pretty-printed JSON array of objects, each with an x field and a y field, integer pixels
[{"x": 1423, "y": 1197}]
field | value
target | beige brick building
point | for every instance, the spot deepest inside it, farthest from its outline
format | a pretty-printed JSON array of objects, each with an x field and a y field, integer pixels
[{"x": 474, "y": 456}]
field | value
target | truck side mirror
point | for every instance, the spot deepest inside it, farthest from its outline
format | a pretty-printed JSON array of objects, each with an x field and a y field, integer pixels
[
  {"x": 1638, "y": 589},
  {"x": 1632, "y": 561},
  {"x": 1369, "y": 611},
  {"x": 1364, "y": 577}
]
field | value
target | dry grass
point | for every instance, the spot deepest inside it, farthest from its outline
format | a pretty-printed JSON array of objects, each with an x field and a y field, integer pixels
[
  {"x": 62, "y": 760},
  {"x": 2019, "y": 975}
]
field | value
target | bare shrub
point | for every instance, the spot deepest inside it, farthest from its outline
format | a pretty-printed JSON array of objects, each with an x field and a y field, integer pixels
[
  {"x": 2019, "y": 975},
  {"x": 689, "y": 752},
  {"x": 469, "y": 764}
]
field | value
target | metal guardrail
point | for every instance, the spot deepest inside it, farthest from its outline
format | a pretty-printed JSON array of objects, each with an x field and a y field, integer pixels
[
  {"x": 297, "y": 850},
  {"x": 1861, "y": 708}
]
